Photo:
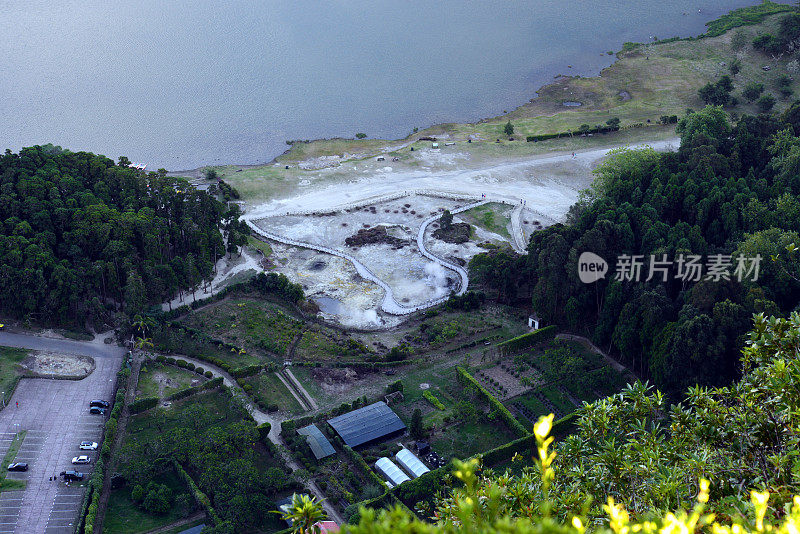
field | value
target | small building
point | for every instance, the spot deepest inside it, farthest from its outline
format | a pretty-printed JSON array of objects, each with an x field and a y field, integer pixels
[
  {"x": 317, "y": 441},
  {"x": 435, "y": 145},
  {"x": 533, "y": 321},
  {"x": 390, "y": 471},
  {"x": 368, "y": 424},
  {"x": 412, "y": 465},
  {"x": 325, "y": 527}
]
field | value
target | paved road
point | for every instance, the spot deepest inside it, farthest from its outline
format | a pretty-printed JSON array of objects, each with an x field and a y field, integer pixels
[
  {"x": 95, "y": 349},
  {"x": 55, "y": 415}
]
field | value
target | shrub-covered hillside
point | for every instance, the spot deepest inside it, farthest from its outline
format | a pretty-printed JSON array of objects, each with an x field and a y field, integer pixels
[
  {"x": 81, "y": 236},
  {"x": 730, "y": 190}
]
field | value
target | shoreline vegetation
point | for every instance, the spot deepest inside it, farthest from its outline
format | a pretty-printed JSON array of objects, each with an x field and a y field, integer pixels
[{"x": 646, "y": 82}]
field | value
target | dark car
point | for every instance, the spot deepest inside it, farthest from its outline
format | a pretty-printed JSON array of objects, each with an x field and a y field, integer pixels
[
  {"x": 18, "y": 466},
  {"x": 97, "y": 411},
  {"x": 99, "y": 404},
  {"x": 72, "y": 475}
]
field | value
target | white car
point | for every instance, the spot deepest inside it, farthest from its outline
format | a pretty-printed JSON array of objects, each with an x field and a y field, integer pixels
[
  {"x": 88, "y": 446},
  {"x": 81, "y": 460}
]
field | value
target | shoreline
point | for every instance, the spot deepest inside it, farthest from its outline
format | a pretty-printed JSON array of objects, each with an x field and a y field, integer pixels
[{"x": 365, "y": 148}]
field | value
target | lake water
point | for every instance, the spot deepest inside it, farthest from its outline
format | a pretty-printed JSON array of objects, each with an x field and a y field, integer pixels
[{"x": 182, "y": 84}]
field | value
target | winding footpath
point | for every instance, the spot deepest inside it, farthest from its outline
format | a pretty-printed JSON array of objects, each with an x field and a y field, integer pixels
[{"x": 389, "y": 303}]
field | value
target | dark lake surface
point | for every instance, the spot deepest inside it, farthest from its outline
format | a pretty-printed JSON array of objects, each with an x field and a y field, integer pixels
[{"x": 182, "y": 84}]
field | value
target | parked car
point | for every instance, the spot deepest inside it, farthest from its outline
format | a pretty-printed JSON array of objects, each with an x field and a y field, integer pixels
[
  {"x": 18, "y": 466},
  {"x": 99, "y": 404},
  {"x": 88, "y": 446},
  {"x": 72, "y": 475},
  {"x": 97, "y": 411},
  {"x": 81, "y": 460}
]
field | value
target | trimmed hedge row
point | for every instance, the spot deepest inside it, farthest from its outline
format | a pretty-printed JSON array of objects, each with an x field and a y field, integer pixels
[
  {"x": 526, "y": 340},
  {"x": 200, "y": 497},
  {"x": 143, "y": 404},
  {"x": 545, "y": 137},
  {"x": 360, "y": 462},
  {"x": 432, "y": 399},
  {"x": 360, "y": 364},
  {"x": 187, "y": 392},
  {"x": 91, "y": 500},
  {"x": 498, "y": 406},
  {"x": 526, "y": 444},
  {"x": 249, "y": 370}
]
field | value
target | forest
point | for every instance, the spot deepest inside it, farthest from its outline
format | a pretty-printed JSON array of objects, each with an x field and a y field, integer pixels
[
  {"x": 84, "y": 238},
  {"x": 730, "y": 190}
]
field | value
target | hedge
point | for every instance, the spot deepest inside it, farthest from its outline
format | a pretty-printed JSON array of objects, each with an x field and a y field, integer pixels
[
  {"x": 526, "y": 340},
  {"x": 250, "y": 370},
  {"x": 187, "y": 392},
  {"x": 360, "y": 462},
  {"x": 544, "y": 137},
  {"x": 91, "y": 500},
  {"x": 145, "y": 403},
  {"x": 432, "y": 399},
  {"x": 498, "y": 406},
  {"x": 200, "y": 497}
]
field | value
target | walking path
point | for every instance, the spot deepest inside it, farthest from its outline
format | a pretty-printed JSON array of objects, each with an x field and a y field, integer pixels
[
  {"x": 389, "y": 303},
  {"x": 592, "y": 347},
  {"x": 274, "y": 431}
]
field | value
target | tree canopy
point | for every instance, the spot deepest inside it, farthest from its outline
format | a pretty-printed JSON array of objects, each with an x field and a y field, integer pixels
[{"x": 82, "y": 237}]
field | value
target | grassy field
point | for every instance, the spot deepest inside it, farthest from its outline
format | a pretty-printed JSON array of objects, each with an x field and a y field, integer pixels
[
  {"x": 161, "y": 380},
  {"x": 493, "y": 217},
  {"x": 10, "y": 370},
  {"x": 259, "y": 245},
  {"x": 262, "y": 328},
  {"x": 270, "y": 390},
  {"x": 124, "y": 517}
]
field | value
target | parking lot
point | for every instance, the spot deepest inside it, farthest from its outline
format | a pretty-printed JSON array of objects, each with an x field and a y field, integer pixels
[{"x": 55, "y": 414}]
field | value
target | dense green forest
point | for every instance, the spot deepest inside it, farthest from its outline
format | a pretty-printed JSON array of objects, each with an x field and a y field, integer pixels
[
  {"x": 730, "y": 189},
  {"x": 83, "y": 238}
]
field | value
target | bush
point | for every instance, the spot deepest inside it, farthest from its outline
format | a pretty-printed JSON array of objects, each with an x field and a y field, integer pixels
[
  {"x": 199, "y": 370},
  {"x": 208, "y": 374},
  {"x": 526, "y": 340},
  {"x": 171, "y": 361},
  {"x": 190, "y": 366},
  {"x": 765, "y": 103},
  {"x": 263, "y": 431},
  {"x": 249, "y": 370},
  {"x": 182, "y": 364},
  {"x": 145, "y": 403},
  {"x": 432, "y": 399}
]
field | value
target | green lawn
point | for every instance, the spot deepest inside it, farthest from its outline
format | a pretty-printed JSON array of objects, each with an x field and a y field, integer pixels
[
  {"x": 465, "y": 439},
  {"x": 493, "y": 217},
  {"x": 173, "y": 379},
  {"x": 268, "y": 389},
  {"x": 10, "y": 370}
]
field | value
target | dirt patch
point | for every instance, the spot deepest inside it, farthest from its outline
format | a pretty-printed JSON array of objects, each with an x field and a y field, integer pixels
[
  {"x": 55, "y": 365},
  {"x": 374, "y": 236}
]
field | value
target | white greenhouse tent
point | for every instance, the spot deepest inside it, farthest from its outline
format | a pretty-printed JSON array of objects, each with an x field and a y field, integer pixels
[
  {"x": 411, "y": 463},
  {"x": 390, "y": 471}
]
